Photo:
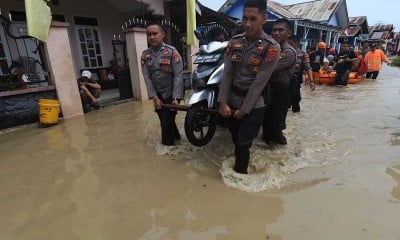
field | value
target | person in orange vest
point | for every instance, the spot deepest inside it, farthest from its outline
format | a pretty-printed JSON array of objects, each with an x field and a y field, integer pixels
[
  {"x": 374, "y": 59},
  {"x": 316, "y": 59}
]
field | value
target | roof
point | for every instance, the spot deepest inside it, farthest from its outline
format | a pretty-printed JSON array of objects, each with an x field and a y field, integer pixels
[
  {"x": 380, "y": 28},
  {"x": 319, "y": 10},
  {"x": 227, "y": 5},
  {"x": 280, "y": 9},
  {"x": 357, "y": 20},
  {"x": 380, "y": 35},
  {"x": 351, "y": 32},
  {"x": 209, "y": 17}
]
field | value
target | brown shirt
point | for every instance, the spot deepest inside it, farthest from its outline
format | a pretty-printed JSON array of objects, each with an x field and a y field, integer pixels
[
  {"x": 162, "y": 72},
  {"x": 248, "y": 67}
]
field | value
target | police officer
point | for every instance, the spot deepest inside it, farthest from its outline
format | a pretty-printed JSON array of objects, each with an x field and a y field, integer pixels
[
  {"x": 275, "y": 113},
  {"x": 249, "y": 61},
  {"x": 162, "y": 71},
  {"x": 302, "y": 64}
]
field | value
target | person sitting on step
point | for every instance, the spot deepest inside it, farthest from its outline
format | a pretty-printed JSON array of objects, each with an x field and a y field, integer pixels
[{"x": 89, "y": 90}]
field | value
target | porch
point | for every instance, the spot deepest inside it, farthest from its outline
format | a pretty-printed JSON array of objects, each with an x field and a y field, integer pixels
[{"x": 81, "y": 40}]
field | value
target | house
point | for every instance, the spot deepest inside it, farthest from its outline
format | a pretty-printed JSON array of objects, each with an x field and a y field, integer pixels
[
  {"x": 382, "y": 34},
  {"x": 314, "y": 21},
  {"x": 396, "y": 41},
  {"x": 357, "y": 31},
  {"x": 104, "y": 36}
]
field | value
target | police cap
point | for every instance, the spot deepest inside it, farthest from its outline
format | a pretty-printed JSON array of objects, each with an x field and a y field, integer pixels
[{"x": 260, "y": 4}]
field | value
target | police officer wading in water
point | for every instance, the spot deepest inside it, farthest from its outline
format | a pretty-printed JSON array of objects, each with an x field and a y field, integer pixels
[
  {"x": 276, "y": 111},
  {"x": 302, "y": 64},
  {"x": 162, "y": 71},
  {"x": 249, "y": 61}
]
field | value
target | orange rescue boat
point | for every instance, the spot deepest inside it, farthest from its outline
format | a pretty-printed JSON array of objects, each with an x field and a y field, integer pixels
[{"x": 329, "y": 78}]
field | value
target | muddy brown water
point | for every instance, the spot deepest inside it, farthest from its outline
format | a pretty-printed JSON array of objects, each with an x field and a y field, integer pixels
[{"x": 105, "y": 175}]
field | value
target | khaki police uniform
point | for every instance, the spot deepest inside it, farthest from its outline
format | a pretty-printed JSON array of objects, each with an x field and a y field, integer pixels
[
  {"x": 162, "y": 71},
  {"x": 248, "y": 67},
  {"x": 276, "y": 111}
]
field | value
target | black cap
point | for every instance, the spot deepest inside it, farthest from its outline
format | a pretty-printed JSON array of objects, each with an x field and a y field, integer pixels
[
  {"x": 372, "y": 45},
  {"x": 260, "y": 4}
]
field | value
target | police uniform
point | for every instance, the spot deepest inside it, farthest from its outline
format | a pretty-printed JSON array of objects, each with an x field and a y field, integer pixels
[
  {"x": 302, "y": 64},
  {"x": 275, "y": 113},
  {"x": 248, "y": 67},
  {"x": 162, "y": 71}
]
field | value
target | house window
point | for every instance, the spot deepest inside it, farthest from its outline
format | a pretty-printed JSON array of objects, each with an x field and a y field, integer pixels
[{"x": 89, "y": 42}]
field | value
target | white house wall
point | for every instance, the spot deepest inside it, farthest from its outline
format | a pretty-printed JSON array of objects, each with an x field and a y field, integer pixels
[{"x": 109, "y": 20}]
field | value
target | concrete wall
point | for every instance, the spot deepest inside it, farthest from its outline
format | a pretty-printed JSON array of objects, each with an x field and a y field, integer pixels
[{"x": 58, "y": 53}]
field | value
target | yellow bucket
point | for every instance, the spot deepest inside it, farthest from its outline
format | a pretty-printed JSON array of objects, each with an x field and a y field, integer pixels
[{"x": 49, "y": 109}]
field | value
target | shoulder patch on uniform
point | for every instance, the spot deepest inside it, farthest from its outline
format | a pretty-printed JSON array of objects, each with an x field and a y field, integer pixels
[
  {"x": 176, "y": 57},
  {"x": 165, "y": 52},
  {"x": 269, "y": 57},
  {"x": 261, "y": 47}
]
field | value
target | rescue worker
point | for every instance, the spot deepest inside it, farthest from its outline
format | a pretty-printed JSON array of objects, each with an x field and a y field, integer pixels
[
  {"x": 162, "y": 71},
  {"x": 302, "y": 64},
  {"x": 250, "y": 60},
  {"x": 316, "y": 60},
  {"x": 275, "y": 113},
  {"x": 374, "y": 59}
]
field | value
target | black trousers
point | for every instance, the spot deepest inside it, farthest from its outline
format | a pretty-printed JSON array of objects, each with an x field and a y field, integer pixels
[
  {"x": 295, "y": 93},
  {"x": 373, "y": 74},
  {"x": 243, "y": 133},
  {"x": 169, "y": 130},
  {"x": 275, "y": 114},
  {"x": 342, "y": 77}
]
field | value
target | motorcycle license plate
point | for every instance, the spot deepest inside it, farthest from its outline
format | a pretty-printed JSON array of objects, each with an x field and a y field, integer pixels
[{"x": 207, "y": 58}]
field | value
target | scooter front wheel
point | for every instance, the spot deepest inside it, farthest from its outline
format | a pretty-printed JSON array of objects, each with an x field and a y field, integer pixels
[{"x": 200, "y": 126}]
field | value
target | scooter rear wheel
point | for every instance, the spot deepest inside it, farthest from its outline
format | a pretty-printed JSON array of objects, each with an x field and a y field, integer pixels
[{"x": 200, "y": 126}]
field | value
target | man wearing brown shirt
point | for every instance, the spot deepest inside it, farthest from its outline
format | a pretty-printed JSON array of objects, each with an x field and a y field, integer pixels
[
  {"x": 162, "y": 72},
  {"x": 249, "y": 62},
  {"x": 275, "y": 113}
]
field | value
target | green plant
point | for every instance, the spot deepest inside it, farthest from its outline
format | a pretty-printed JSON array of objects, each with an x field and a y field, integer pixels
[{"x": 396, "y": 61}]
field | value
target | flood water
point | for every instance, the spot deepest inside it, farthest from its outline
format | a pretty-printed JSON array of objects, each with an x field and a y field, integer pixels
[{"x": 105, "y": 175}]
